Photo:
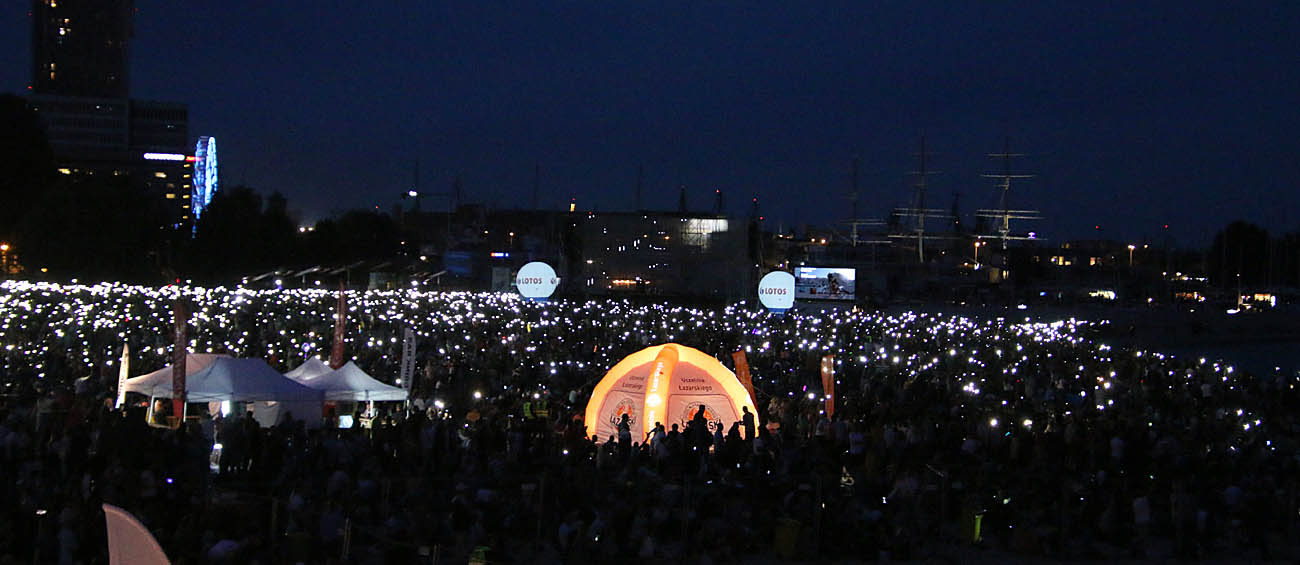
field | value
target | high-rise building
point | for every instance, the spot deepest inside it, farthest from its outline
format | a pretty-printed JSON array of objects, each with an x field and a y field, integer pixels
[
  {"x": 80, "y": 90},
  {"x": 80, "y": 47}
]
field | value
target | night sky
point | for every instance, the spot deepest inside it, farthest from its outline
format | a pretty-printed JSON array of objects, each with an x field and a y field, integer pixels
[{"x": 1131, "y": 117}]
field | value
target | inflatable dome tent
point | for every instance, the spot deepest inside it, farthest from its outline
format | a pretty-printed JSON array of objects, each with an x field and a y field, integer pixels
[{"x": 665, "y": 383}]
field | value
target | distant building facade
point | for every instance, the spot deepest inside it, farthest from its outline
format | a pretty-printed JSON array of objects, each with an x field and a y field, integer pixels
[
  {"x": 661, "y": 253},
  {"x": 141, "y": 140}
]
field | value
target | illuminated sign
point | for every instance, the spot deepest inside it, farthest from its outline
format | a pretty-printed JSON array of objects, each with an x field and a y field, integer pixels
[
  {"x": 499, "y": 254},
  {"x": 164, "y": 157},
  {"x": 776, "y": 291}
]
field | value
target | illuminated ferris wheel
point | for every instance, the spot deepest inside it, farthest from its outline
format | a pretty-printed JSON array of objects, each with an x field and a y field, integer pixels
[{"x": 205, "y": 175}]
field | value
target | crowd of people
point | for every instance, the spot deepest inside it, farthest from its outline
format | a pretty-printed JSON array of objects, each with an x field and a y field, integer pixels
[{"x": 947, "y": 435}]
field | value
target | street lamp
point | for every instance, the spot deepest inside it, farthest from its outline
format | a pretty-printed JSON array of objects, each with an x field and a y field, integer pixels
[
  {"x": 414, "y": 195},
  {"x": 1131, "y": 247},
  {"x": 978, "y": 245}
]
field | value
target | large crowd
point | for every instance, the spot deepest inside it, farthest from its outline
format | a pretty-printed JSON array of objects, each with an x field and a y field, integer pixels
[{"x": 949, "y": 435}]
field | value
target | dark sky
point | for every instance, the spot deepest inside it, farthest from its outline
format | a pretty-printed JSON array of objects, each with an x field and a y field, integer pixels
[{"x": 1132, "y": 116}]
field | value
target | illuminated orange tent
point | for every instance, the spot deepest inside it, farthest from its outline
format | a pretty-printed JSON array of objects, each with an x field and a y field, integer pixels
[{"x": 665, "y": 383}]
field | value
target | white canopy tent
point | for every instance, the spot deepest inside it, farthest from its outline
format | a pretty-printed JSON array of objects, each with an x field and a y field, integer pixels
[
  {"x": 222, "y": 378},
  {"x": 312, "y": 368},
  {"x": 147, "y": 384},
  {"x": 350, "y": 383}
]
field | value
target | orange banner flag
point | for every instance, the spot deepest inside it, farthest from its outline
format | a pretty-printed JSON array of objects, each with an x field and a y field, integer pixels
[
  {"x": 828, "y": 383},
  {"x": 180, "y": 350},
  {"x": 742, "y": 373}
]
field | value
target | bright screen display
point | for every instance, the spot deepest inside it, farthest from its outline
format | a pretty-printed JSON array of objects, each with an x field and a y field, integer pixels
[{"x": 824, "y": 283}]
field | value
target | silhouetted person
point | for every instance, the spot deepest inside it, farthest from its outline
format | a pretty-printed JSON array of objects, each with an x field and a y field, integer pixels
[
  {"x": 624, "y": 436},
  {"x": 747, "y": 422}
]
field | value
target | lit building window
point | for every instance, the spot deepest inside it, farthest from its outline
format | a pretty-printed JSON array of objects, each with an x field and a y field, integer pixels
[
  {"x": 171, "y": 195},
  {"x": 185, "y": 207},
  {"x": 66, "y": 171},
  {"x": 160, "y": 175}
]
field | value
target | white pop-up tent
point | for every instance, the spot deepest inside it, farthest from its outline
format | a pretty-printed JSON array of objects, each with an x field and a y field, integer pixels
[
  {"x": 312, "y": 368},
  {"x": 225, "y": 378},
  {"x": 146, "y": 384},
  {"x": 350, "y": 383}
]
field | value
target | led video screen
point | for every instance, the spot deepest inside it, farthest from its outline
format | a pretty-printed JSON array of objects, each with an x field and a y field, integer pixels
[{"x": 824, "y": 283}]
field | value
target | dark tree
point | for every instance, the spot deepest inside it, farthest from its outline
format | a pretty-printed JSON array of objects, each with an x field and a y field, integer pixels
[
  {"x": 26, "y": 163},
  {"x": 240, "y": 235},
  {"x": 97, "y": 228},
  {"x": 355, "y": 236},
  {"x": 1241, "y": 249}
]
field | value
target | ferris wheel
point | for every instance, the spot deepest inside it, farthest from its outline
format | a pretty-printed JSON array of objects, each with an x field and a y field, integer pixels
[{"x": 205, "y": 175}]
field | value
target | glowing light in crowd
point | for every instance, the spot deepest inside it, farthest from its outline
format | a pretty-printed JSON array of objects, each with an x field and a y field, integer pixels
[{"x": 80, "y": 328}]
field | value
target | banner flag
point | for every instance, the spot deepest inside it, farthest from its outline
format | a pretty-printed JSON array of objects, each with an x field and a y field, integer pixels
[
  {"x": 180, "y": 349},
  {"x": 340, "y": 328},
  {"x": 828, "y": 383},
  {"x": 407, "y": 371},
  {"x": 123, "y": 369},
  {"x": 742, "y": 373}
]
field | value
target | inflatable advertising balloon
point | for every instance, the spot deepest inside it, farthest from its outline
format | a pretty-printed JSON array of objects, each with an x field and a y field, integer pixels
[
  {"x": 666, "y": 384},
  {"x": 536, "y": 281}
]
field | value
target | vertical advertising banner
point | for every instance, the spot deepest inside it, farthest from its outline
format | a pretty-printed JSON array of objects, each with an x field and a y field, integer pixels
[
  {"x": 123, "y": 369},
  {"x": 407, "y": 371},
  {"x": 828, "y": 383},
  {"x": 742, "y": 373},
  {"x": 340, "y": 328},
  {"x": 180, "y": 349}
]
